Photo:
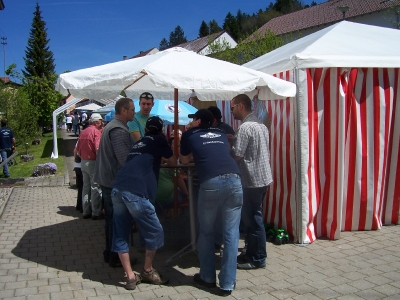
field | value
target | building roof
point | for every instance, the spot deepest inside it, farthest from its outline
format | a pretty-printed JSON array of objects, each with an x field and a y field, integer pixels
[
  {"x": 143, "y": 53},
  {"x": 325, "y": 14},
  {"x": 200, "y": 43}
]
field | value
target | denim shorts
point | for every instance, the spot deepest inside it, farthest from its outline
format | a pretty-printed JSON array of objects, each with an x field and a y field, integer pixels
[{"x": 128, "y": 207}]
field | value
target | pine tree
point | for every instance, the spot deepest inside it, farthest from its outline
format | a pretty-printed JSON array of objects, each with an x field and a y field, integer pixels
[
  {"x": 177, "y": 37},
  {"x": 214, "y": 27},
  {"x": 204, "y": 29},
  {"x": 39, "y": 74},
  {"x": 164, "y": 44},
  {"x": 231, "y": 26},
  {"x": 39, "y": 59}
]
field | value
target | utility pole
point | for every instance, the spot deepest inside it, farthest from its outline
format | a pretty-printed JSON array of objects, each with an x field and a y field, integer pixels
[{"x": 4, "y": 43}]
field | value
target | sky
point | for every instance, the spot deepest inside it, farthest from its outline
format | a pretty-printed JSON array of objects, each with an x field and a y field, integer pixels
[{"x": 89, "y": 33}]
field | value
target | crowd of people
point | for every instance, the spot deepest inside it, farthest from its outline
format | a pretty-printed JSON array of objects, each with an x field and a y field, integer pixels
[{"x": 123, "y": 182}]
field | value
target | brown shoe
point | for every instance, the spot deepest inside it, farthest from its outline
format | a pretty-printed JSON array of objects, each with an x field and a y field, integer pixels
[
  {"x": 132, "y": 283},
  {"x": 153, "y": 277}
]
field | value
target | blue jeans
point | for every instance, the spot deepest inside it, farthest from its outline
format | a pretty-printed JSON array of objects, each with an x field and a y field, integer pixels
[
  {"x": 253, "y": 225},
  {"x": 128, "y": 207},
  {"x": 108, "y": 226},
  {"x": 220, "y": 200},
  {"x": 5, "y": 167}
]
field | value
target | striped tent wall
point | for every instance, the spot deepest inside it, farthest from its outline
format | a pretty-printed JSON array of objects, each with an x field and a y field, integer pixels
[{"x": 350, "y": 133}]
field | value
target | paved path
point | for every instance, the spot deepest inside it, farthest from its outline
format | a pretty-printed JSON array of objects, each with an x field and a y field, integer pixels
[{"x": 47, "y": 251}]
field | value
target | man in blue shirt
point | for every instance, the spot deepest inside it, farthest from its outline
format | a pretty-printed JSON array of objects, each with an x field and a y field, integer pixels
[
  {"x": 134, "y": 196},
  {"x": 220, "y": 198},
  {"x": 7, "y": 144},
  {"x": 136, "y": 127}
]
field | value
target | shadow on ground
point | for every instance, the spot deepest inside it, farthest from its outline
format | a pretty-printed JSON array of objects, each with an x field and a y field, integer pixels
[{"x": 77, "y": 246}]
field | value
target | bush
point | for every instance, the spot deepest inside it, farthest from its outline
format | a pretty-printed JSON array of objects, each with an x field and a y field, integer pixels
[{"x": 45, "y": 169}]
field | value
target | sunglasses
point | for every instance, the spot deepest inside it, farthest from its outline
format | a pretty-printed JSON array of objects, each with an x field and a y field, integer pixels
[
  {"x": 146, "y": 95},
  {"x": 232, "y": 107}
]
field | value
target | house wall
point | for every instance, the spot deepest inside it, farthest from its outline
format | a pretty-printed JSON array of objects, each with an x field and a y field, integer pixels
[{"x": 224, "y": 37}]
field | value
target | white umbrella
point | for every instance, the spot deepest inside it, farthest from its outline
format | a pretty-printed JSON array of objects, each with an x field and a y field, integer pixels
[
  {"x": 171, "y": 74},
  {"x": 165, "y": 71}
]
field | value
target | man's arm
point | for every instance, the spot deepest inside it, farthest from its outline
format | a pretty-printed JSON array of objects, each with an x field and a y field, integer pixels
[
  {"x": 184, "y": 159},
  {"x": 172, "y": 161},
  {"x": 135, "y": 135}
]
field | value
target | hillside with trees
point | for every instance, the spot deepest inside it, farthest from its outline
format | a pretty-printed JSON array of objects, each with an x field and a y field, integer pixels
[{"x": 239, "y": 26}]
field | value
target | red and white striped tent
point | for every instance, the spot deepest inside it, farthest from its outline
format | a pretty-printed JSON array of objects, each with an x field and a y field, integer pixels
[{"x": 335, "y": 146}]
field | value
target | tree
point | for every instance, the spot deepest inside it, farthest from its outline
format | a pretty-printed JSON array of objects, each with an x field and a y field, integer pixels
[
  {"x": 177, "y": 37},
  {"x": 39, "y": 73},
  {"x": 287, "y": 6},
  {"x": 204, "y": 29},
  {"x": 164, "y": 44},
  {"x": 246, "y": 52},
  {"x": 214, "y": 27},
  {"x": 231, "y": 26},
  {"x": 19, "y": 112}
]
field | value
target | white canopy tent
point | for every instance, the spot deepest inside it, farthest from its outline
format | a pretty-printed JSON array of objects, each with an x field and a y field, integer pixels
[
  {"x": 172, "y": 74},
  {"x": 90, "y": 106},
  {"x": 335, "y": 147}
]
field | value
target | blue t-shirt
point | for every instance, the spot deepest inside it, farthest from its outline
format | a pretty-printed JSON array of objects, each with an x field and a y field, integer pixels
[
  {"x": 210, "y": 150},
  {"x": 138, "y": 123},
  {"x": 6, "y": 137},
  {"x": 139, "y": 174}
]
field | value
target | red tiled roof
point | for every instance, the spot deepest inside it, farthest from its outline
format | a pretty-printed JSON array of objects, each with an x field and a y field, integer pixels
[
  {"x": 5, "y": 79},
  {"x": 324, "y": 14},
  {"x": 200, "y": 43}
]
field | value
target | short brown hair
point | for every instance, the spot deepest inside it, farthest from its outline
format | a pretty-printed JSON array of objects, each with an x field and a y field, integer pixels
[
  {"x": 122, "y": 103},
  {"x": 243, "y": 98}
]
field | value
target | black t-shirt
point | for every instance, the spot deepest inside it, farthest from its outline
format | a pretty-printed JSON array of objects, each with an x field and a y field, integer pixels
[
  {"x": 228, "y": 129},
  {"x": 210, "y": 150},
  {"x": 139, "y": 174}
]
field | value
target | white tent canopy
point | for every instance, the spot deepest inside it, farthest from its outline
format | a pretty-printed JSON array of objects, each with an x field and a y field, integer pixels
[
  {"x": 344, "y": 44},
  {"x": 90, "y": 106},
  {"x": 161, "y": 73}
]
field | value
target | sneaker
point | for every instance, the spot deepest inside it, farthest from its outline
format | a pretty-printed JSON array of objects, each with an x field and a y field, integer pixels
[
  {"x": 250, "y": 266},
  {"x": 100, "y": 217},
  {"x": 132, "y": 283},
  {"x": 225, "y": 293},
  {"x": 86, "y": 216},
  {"x": 241, "y": 258},
  {"x": 153, "y": 277},
  {"x": 197, "y": 279}
]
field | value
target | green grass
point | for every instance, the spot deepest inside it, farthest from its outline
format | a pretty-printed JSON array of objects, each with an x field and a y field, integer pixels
[{"x": 41, "y": 154}]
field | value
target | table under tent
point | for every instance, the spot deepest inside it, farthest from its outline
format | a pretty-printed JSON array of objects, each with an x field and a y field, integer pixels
[{"x": 335, "y": 146}]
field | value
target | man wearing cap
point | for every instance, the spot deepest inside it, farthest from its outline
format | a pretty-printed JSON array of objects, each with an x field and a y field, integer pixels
[
  {"x": 114, "y": 147},
  {"x": 220, "y": 198},
  {"x": 136, "y": 127},
  {"x": 133, "y": 197},
  {"x": 86, "y": 148},
  {"x": 250, "y": 148},
  {"x": 217, "y": 120}
]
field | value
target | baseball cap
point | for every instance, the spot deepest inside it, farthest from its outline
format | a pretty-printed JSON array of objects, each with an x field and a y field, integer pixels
[
  {"x": 204, "y": 115},
  {"x": 216, "y": 112},
  {"x": 96, "y": 117},
  {"x": 154, "y": 124}
]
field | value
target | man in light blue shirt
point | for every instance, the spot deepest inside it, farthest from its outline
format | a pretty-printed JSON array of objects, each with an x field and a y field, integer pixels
[{"x": 136, "y": 127}]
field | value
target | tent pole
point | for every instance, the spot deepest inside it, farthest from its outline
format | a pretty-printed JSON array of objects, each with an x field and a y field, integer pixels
[
  {"x": 299, "y": 190},
  {"x": 176, "y": 152},
  {"x": 55, "y": 146}
]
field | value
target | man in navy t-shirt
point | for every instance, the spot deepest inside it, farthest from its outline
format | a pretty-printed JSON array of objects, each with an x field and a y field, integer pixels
[
  {"x": 133, "y": 197},
  {"x": 7, "y": 144},
  {"x": 220, "y": 198}
]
